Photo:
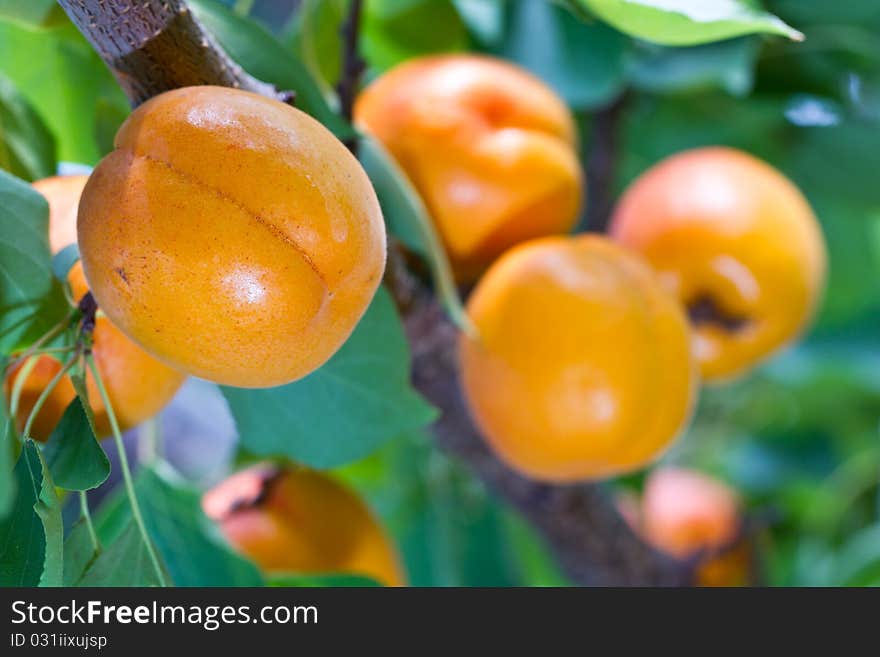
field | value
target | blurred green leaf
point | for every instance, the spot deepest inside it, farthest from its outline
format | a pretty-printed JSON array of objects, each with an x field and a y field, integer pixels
[
  {"x": 409, "y": 221},
  {"x": 483, "y": 18},
  {"x": 31, "y": 300},
  {"x": 321, "y": 581},
  {"x": 76, "y": 460},
  {"x": 857, "y": 563},
  {"x": 27, "y": 148},
  {"x": 62, "y": 78},
  {"x": 726, "y": 64},
  {"x": 584, "y": 62},
  {"x": 313, "y": 36},
  {"x": 125, "y": 562},
  {"x": 33, "y": 12},
  {"x": 63, "y": 261},
  {"x": 343, "y": 411},
  {"x": 261, "y": 55},
  {"x": 394, "y": 31},
  {"x": 7, "y": 457},
  {"x": 687, "y": 22},
  {"x": 31, "y": 535}
]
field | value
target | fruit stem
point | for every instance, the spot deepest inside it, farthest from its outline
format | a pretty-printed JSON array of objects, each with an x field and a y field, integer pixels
[
  {"x": 126, "y": 471},
  {"x": 87, "y": 518},
  {"x": 41, "y": 400},
  {"x": 50, "y": 335}
]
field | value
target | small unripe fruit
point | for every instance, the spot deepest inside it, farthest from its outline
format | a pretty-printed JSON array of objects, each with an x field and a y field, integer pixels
[
  {"x": 685, "y": 512},
  {"x": 138, "y": 385},
  {"x": 490, "y": 148},
  {"x": 582, "y": 368},
  {"x": 232, "y": 236},
  {"x": 303, "y": 522},
  {"x": 737, "y": 243}
]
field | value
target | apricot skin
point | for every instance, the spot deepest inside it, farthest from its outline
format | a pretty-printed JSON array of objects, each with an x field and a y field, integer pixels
[
  {"x": 232, "y": 236},
  {"x": 304, "y": 522},
  {"x": 138, "y": 385},
  {"x": 719, "y": 224},
  {"x": 583, "y": 367},
  {"x": 685, "y": 512},
  {"x": 490, "y": 148}
]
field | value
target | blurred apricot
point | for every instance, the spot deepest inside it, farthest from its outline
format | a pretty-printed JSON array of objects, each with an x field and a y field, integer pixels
[
  {"x": 232, "y": 236},
  {"x": 490, "y": 148},
  {"x": 302, "y": 522},
  {"x": 582, "y": 368},
  {"x": 685, "y": 512},
  {"x": 137, "y": 384},
  {"x": 735, "y": 241}
]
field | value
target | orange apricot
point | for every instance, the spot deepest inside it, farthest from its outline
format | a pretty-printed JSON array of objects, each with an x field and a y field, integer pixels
[
  {"x": 137, "y": 384},
  {"x": 684, "y": 512},
  {"x": 303, "y": 522},
  {"x": 490, "y": 148},
  {"x": 736, "y": 242},
  {"x": 582, "y": 368},
  {"x": 232, "y": 236}
]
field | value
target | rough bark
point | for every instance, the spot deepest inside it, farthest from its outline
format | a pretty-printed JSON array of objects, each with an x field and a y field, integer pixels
[
  {"x": 153, "y": 46},
  {"x": 156, "y": 45}
]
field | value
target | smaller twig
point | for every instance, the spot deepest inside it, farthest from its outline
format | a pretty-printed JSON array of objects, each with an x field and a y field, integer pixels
[
  {"x": 88, "y": 306},
  {"x": 602, "y": 165},
  {"x": 41, "y": 400},
  {"x": 353, "y": 65},
  {"x": 87, "y": 519}
]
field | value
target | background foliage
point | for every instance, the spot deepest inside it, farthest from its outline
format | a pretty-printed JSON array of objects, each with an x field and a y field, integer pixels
[{"x": 799, "y": 437}]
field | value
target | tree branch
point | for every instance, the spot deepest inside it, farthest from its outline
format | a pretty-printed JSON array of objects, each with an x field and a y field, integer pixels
[
  {"x": 602, "y": 165},
  {"x": 156, "y": 45},
  {"x": 352, "y": 65},
  {"x": 153, "y": 46}
]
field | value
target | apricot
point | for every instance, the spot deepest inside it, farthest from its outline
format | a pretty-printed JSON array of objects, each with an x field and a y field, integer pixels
[
  {"x": 304, "y": 522},
  {"x": 685, "y": 512},
  {"x": 736, "y": 242},
  {"x": 582, "y": 368},
  {"x": 138, "y": 385},
  {"x": 489, "y": 147},
  {"x": 232, "y": 236}
]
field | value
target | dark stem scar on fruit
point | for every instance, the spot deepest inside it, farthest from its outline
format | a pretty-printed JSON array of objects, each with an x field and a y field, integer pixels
[
  {"x": 122, "y": 274},
  {"x": 269, "y": 475},
  {"x": 704, "y": 310}
]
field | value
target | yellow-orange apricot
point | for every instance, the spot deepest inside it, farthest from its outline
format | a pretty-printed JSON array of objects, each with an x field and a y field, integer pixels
[
  {"x": 582, "y": 368},
  {"x": 232, "y": 236},
  {"x": 735, "y": 241},
  {"x": 684, "y": 512},
  {"x": 138, "y": 385},
  {"x": 304, "y": 522},
  {"x": 490, "y": 148}
]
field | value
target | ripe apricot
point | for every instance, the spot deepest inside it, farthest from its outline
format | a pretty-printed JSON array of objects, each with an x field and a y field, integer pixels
[
  {"x": 301, "y": 521},
  {"x": 684, "y": 512},
  {"x": 138, "y": 385},
  {"x": 583, "y": 367},
  {"x": 736, "y": 242},
  {"x": 232, "y": 236},
  {"x": 490, "y": 148}
]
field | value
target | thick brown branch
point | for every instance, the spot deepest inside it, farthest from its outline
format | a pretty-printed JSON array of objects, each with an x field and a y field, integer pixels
[
  {"x": 592, "y": 543},
  {"x": 153, "y": 46}
]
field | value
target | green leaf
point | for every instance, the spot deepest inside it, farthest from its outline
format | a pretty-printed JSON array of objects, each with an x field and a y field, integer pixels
[
  {"x": 728, "y": 65},
  {"x": 191, "y": 545},
  {"x": 7, "y": 457},
  {"x": 63, "y": 79},
  {"x": 76, "y": 460},
  {"x": 687, "y": 22},
  {"x": 409, "y": 221},
  {"x": 483, "y": 18},
  {"x": 344, "y": 410},
  {"x": 321, "y": 581},
  {"x": 393, "y": 31},
  {"x": 79, "y": 553},
  {"x": 31, "y": 535},
  {"x": 64, "y": 260},
  {"x": 29, "y": 11},
  {"x": 27, "y": 148},
  {"x": 261, "y": 55},
  {"x": 313, "y": 36},
  {"x": 584, "y": 62},
  {"x": 31, "y": 300},
  {"x": 125, "y": 562}
]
